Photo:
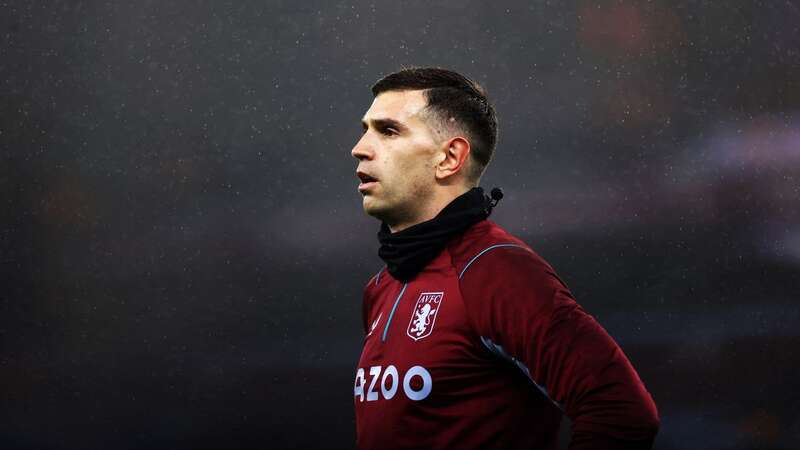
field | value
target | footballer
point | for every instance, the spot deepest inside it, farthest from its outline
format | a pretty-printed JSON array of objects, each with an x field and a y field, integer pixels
[{"x": 471, "y": 340}]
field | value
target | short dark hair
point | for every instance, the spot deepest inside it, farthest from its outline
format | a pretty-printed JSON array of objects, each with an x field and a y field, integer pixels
[{"x": 452, "y": 95}]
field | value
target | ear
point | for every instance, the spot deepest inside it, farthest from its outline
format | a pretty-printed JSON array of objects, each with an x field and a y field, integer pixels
[{"x": 453, "y": 158}]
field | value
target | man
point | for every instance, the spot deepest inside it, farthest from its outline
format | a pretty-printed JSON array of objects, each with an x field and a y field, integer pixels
[{"x": 472, "y": 340}]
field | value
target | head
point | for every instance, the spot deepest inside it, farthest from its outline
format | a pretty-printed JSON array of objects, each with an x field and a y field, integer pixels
[{"x": 428, "y": 137}]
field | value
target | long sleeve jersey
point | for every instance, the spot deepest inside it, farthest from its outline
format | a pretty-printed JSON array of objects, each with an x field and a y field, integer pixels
[{"x": 487, "y": 348}]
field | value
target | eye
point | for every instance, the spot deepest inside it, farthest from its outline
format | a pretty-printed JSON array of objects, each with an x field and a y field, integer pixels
[{"x": 389, "y": 131}]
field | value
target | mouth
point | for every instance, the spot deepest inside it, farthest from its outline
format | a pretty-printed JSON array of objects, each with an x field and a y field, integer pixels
[{"x": 367, "y": 181}]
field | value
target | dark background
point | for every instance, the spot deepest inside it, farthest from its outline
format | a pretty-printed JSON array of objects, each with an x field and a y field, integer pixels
[{"x": 183, "y": 245}]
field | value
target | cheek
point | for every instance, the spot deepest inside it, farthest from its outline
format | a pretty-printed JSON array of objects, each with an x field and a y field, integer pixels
[
  {"x": 415, "y": 181},
  {"x": 408, "y": 172},
  {"x": 412, "y": 164}
]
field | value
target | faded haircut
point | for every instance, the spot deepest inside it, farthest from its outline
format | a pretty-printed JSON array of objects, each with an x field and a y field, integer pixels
[{"x": 454, "y": 104}]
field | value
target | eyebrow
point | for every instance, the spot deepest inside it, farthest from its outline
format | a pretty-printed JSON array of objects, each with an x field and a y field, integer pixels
[{"x": 383, "y": 123}]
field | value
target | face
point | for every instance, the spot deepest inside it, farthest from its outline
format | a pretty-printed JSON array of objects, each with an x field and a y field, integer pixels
[{"x": 397, "y": 157}]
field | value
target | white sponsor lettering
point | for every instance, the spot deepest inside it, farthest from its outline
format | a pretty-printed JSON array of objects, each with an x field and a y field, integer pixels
[
  {"x": 426, "y": 383},
  {"x": 374, "y": 372},
  {"x": 358, "y": 388},
  {"x": 389, "y": 393},
  {"x": 389, "y": 383}
]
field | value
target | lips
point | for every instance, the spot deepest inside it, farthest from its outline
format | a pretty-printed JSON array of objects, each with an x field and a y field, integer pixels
[
  {"x": 365, "y": 177},
  {"x": 367, "y": 181}
]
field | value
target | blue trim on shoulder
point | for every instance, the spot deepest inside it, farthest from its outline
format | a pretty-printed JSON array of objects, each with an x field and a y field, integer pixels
[
  {"x": 484, "y": 251},
  {"x": 378, "y": 276},
  {"x": 391, "y": 314}
]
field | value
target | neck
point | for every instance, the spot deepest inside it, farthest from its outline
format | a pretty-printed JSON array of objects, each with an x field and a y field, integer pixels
[
  {"x": 432, "y": 209},
  {"x": 409, "y": 251}
]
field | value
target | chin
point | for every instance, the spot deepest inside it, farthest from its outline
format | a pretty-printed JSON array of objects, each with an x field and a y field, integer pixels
[
  {"x": 373, "y": 208},
  {"x": 369, "y": 206}
]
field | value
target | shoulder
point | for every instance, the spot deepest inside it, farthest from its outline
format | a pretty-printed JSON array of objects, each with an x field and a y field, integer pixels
[
  {"x": 375, "y": 280},
  {"x": 370, "y": 294},
  {"x": 494, "y": 265},
  {"x": 488, "y": 244},
  {"x": 507, "y": 288}
]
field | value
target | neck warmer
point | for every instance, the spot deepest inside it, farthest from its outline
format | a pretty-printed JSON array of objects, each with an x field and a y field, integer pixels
[{"x": 408, "y": 251}]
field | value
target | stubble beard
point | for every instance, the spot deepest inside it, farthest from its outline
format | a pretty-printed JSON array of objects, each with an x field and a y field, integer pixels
[
  {"x": 383, "y": 211},
  {"x": 397, "y": 211}
]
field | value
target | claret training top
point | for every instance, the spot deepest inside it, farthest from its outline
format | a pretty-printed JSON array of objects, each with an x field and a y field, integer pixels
[{"x": 486, "y": 348}]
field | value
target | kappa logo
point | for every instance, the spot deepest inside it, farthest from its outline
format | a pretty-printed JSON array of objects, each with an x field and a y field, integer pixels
[{"x": 424, "y": 316}]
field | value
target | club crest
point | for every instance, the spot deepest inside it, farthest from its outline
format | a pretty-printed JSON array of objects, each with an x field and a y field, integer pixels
[{"x": 424, "y": 316}]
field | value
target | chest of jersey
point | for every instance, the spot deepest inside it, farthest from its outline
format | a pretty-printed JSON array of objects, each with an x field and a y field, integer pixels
[
  {"x": 420, "y": 346},
  {"x": 426, "y": 378}
]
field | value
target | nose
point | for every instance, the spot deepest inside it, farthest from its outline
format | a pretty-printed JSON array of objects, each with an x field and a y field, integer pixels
[{"x": 362, "y": 149}]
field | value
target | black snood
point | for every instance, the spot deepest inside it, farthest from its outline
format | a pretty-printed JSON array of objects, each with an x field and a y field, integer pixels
[{"x": 408, "y": 251}]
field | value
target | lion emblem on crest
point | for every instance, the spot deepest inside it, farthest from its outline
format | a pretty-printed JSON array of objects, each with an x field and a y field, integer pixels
[{"x": 424, "y": 315}]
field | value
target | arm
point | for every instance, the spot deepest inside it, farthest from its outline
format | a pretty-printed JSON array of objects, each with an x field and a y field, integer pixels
[{"x": 516, "y": 301}]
